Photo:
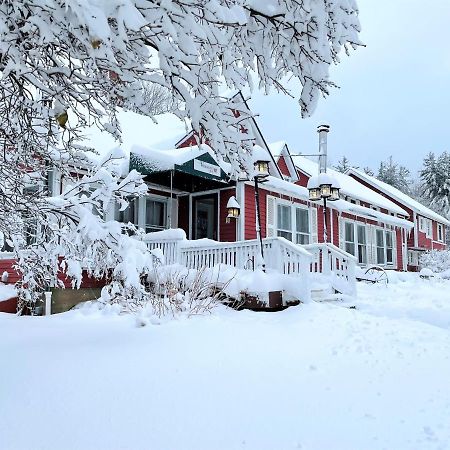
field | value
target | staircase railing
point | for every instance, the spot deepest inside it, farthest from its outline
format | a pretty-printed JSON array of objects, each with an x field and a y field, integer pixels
[{"x": 334, "y": 262}]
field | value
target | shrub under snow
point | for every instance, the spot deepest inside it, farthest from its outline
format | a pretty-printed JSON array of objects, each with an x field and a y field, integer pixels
[{"x": 437, "y": 260}]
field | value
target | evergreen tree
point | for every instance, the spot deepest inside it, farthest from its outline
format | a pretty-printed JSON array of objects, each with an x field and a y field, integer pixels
[
  {"x": 435, "y": 182},
  {"x": 394, "y": 174},
  {"x": 343, "y": 165},
  {"x": 369, "y": 171}
]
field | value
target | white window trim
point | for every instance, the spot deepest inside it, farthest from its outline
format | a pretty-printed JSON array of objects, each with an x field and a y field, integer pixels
[
  {"x": 293, "y": 209},
  {"x": 355, "y": 225},
  {"x": 440, "y": 227},
  {"x": 426, "y": 226}
]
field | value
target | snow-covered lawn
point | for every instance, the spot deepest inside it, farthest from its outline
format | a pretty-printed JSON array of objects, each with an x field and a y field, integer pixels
[{"x": 317, "y": 376}]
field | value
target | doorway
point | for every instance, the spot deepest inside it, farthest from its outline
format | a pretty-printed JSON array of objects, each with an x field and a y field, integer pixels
[{"x": 205, "y": 210}]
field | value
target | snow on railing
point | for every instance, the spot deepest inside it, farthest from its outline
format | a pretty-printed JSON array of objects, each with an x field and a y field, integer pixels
[
  {"x": 168, "y": 241},
  {"x": 336, "y": 263},
  {"x": 280, "y": 255}
]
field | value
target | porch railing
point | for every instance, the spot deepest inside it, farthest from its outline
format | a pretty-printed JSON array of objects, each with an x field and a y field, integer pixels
[
  {"x": 334, "y": 262},
  {"x": 281, "y": 256}
]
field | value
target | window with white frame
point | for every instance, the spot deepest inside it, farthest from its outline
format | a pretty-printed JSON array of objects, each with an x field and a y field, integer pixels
[
  {"x": 380, "y": 242},
  {"x": 362, "y": 244},
  {"x": 389, "y": 247},
  {"x": 426, "y": 226},
  {"x": 155, "y": 215},
  {"x": 440, "y": 232},
  {"x": 284, "y": 221},
  {"x": 356, "y": 241},
  {"x": 349, "y": 237},
  {"x": 293, "y": 223},
  {"x": 302, "y": 225}
]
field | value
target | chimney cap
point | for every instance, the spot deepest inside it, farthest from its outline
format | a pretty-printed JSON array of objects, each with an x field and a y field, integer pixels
[{"x": 323, "y": 126}]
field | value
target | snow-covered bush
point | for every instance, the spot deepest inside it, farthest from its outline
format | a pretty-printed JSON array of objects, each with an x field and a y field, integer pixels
[
  {"x": 436, "y": 260},
  {"x": 171, "y": 291}
]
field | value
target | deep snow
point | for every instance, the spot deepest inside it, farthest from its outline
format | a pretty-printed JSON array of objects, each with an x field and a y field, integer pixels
[{"x": 317, "y": 376}]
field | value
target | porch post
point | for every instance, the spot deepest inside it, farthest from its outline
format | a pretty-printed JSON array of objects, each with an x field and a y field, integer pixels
[
  {"x": 240, "y": 197},
  {"x": 258, "y": 221}
]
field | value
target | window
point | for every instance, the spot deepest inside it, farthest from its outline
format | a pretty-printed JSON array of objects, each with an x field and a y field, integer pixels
[
  {"x": 440, "y": 230},
  {"x": 389, "y": 247},
  {"x": 426, "y": 226},
  {"x": 380, "y": 247},
  {"x": 155, "y": 215},
  {"x": 349, "y": 238},
  {"x": 293, "y": 223},
  {"x": 356, "y": 241},
  {"x": 284, "y": 221},
  {"x": 302, "y": 225},
  {"x": 362, "y": 244}
]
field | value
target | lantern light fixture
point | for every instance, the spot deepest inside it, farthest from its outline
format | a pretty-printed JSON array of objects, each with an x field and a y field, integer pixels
[{"x": 233, "y": 209}]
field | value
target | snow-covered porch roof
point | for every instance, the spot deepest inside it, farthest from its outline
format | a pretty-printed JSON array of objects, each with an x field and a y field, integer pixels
[{"x": 190, "y": 169}]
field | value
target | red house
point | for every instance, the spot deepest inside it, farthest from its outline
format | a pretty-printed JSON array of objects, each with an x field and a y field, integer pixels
[
  {"x": 190, "y": 189},
  {"x": 429, "y": 228}
]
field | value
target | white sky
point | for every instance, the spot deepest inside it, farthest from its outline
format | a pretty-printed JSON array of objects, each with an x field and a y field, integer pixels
[{"x": 394, "y": 95}]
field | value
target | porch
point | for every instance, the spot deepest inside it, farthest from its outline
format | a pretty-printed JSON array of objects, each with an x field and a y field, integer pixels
[{"x": 314, "y": 271}]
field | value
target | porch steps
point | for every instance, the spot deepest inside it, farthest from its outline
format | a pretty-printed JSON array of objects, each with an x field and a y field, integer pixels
[{"x": 325, "y": 296}]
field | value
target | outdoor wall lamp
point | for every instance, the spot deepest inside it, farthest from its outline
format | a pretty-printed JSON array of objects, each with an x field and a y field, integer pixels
[{"x": 233, "y": 209}]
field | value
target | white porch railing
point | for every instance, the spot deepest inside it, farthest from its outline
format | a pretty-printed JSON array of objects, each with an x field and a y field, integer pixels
[
  {"x": 281, "y": 256},
  {"x": 334, "y": 262}
]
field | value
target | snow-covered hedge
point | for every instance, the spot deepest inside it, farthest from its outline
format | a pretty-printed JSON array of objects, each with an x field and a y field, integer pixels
[{"x": 437, "y": 260}]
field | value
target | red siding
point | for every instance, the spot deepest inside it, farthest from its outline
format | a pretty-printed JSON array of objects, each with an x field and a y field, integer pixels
[
  {"x": 9, "y": 306},
  {"x": 187, "y": 141},
  {"x": 227, "y": 230},
  {"x": 302, "y": 178},
  {"x": 6, "y": 265},
  {"x": 283, "y": 166},
  {"x": 423, "y": 241},
  {"x": 335, "y": 240}
]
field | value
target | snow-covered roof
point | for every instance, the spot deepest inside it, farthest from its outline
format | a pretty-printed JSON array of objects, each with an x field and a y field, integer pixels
[
  {"x": 400, "y": 196},
  {"x": 162, "y": 160},
  {"x": 300, "y": 192},
  {"x": 277, "y": 148},
  {"x": 349, "y": 186}
]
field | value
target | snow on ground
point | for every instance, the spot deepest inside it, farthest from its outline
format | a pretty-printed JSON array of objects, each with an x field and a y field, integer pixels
[{"x": 317, "y": 376}]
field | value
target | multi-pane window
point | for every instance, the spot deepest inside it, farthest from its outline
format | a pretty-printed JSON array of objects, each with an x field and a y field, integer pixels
[
  {"x": 362, "y": 244},
  {"x": 349, "y": 238},
  {"x": 284, "y": 221},
  {"x": 155, "y": 215},
  {"x": 380, "y": 247},
  {"x": 389, "y": 247},
  {"x": 440, "y": 230},
  {"x": 356, "y": 241},
  {"x": 293, "y": 223},
  {"x": 302, "y": 225}
]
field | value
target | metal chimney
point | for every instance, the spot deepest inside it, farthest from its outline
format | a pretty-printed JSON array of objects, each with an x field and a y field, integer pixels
[{"x": 323, "y": 130}]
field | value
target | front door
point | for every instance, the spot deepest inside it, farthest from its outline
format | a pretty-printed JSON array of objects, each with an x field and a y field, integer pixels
[{"x": 205, "y": 216}]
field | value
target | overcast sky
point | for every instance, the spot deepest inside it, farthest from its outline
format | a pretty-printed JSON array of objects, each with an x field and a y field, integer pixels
[{"x": 394, "y": 95}]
